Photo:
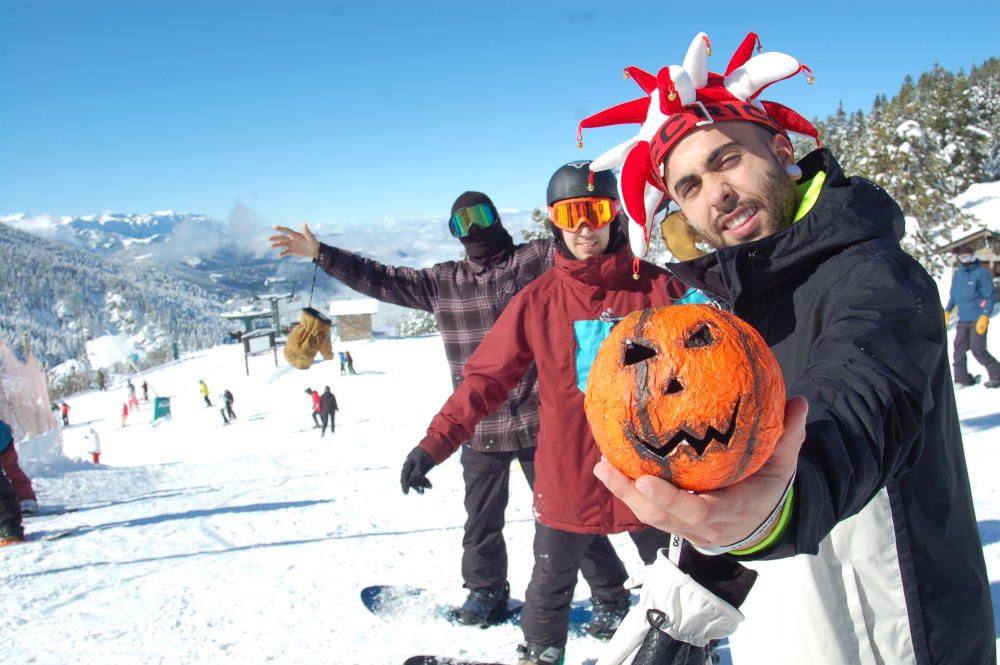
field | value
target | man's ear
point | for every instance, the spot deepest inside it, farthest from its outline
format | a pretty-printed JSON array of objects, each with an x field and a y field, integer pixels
[{"x": 782, "y": 148}]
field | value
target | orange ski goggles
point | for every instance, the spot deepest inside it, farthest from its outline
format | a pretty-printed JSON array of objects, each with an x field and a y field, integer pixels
[{"x": 570, "y": 214}]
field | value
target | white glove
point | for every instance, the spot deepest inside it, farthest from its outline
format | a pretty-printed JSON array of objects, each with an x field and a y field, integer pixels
[{"x": 676, "y": 618}]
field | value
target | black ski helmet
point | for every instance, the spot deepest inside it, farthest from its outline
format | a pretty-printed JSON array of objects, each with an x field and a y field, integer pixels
[{"x": 575, "y": 179}]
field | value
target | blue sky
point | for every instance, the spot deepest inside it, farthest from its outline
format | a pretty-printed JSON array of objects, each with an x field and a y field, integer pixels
[{"x": 357, "y": 111}]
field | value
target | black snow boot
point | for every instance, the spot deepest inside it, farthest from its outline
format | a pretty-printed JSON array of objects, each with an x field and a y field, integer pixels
[
  {"x": 11, "y": 532},
  {"x": 530, "y": 653},
  {"x": 484, "y": 607},
  {"x": 606, "y": 616}
]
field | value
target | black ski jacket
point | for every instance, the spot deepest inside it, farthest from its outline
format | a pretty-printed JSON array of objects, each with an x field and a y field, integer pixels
[
  {"x": 327, "y": 403},
  {"x": 856, "y": 325}
]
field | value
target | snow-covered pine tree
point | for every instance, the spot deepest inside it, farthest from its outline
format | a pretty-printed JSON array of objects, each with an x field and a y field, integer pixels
[
  {"x": 984, "y": 99},
  {"x": 944, "y": 108},
  {"x": 931, "y": 141},
  {"x": 905, "y": 160},
  {"x": 416, "y": 322},
  {"x": 541, "y": 220}
]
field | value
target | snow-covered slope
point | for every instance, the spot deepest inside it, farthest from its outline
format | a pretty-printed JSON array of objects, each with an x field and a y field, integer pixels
[{"x": 196, "y": 542}]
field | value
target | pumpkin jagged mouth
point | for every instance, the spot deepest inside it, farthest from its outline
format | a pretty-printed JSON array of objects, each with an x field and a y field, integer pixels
[{"x": 684, "y": 436}]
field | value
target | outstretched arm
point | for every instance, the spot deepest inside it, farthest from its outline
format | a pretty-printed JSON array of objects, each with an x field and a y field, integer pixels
[
  {"x": 488, "y": 376},
  {"x": 494, "y": 368},
  {"x": 407, "y": 287},
  {"x": 868, "y": 388}
]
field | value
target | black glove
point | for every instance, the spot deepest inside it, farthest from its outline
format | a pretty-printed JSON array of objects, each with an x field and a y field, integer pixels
[{"x": 415, "y": 469}]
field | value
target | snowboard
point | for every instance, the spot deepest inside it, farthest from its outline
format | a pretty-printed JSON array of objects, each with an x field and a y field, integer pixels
[
  {"x": 394, "y": 603},
  {"x": 56, "y": 535},
  {"x": 45, "y": 511},
  {"x": 47, "y": 535},
  {"x": 441, "y": 660}
]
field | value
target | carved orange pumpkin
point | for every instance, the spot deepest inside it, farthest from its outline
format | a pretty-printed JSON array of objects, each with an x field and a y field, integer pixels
[{"x": 689, "y": 393}]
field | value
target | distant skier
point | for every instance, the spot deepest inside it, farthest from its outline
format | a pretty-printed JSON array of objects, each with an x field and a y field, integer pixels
[
  {"x": 350, "y": 362},
  {"x": 145, "y": 391},
  {"x": 343, "y": 362},
  {"x": 133, "y": 401},
  {"x": 64, "y": 411},
  {"x": 95, "y": 445},
  {"x": 124, "y": 413},
  {"x": 8, "y": 462},
  {"x": 327, "y": 409},
  {"x": 973, "y": 294},
  {"x": 227, "y": 411},
  {"x": 204, "y": 392},
  {"x": 100, "y": 380},
  {"x": 315, "y": 407}
]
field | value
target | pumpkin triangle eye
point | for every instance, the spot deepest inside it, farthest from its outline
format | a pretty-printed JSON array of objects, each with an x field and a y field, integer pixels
[
  {"x": 673, "y": 387},
  {"x": 699, "y": 338},
  {"x": 636, "y": 353}
]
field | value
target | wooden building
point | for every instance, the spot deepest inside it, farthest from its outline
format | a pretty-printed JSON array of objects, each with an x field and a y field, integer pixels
[{"x": 353, "y": 318}]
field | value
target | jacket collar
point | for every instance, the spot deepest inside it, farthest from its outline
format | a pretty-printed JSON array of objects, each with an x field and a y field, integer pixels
[
  {"x": 846, "y": 212},
  {"x": 605, "y": 271}
]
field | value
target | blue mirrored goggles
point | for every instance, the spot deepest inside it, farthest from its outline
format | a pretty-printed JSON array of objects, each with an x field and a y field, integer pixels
[{"x": 481, "y": 216}]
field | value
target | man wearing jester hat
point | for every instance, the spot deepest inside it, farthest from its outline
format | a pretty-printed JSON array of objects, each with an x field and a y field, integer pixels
[{"x": 861, "y": 525}]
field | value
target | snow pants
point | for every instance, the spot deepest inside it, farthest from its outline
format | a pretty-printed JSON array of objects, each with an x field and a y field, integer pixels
[
  {"x": 484, "y": 551},
  {"x": 966, "y": 338},
  {"x": 22, "y": 485},
  {"x": 10, "y": 506},
  {"x": 558, "y": 558},
  {"x": 326, "y": 417}
]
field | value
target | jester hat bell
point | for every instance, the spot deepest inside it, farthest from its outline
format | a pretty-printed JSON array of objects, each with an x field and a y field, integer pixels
[{"x": 680, "y": 99}]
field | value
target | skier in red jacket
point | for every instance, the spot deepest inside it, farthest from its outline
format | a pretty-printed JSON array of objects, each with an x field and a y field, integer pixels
[{"x": 315, "y": 407}]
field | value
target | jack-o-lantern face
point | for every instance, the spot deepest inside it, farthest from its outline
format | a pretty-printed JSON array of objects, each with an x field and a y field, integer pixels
[{"x": 689, "y": 393}]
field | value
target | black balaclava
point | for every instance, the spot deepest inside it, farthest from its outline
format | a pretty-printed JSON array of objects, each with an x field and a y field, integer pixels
[
  {"x": 615, "y": 240},
  {"x": 484, "y": 246}
]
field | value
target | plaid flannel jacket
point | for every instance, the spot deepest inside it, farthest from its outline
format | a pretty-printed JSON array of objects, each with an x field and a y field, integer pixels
[{"x": 466, "y": 300}]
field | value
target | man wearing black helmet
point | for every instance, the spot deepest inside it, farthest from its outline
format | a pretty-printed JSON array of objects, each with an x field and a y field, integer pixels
[
  {"x": 556, "y": 323},
  {"x": 466, "y": 298}
]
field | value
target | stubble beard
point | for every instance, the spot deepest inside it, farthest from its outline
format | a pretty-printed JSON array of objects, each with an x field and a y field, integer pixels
[{"x": 777, "y": 203}]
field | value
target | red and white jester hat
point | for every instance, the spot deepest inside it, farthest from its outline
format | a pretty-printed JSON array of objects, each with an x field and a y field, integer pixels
[{"x": 681, "y": 98}]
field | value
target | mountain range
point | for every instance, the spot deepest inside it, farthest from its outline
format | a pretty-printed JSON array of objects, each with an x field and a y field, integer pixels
[{"x": 167, "y": 276}]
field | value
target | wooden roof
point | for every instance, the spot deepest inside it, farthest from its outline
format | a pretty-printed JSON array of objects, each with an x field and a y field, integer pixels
[{"x": 977, "y": 235}]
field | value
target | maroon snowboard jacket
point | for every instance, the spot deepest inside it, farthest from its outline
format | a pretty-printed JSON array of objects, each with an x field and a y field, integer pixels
[{"x": 556, "y": 321}]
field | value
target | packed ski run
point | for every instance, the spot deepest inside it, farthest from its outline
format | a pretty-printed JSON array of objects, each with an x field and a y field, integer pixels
[{"x": 193, "y": 541}]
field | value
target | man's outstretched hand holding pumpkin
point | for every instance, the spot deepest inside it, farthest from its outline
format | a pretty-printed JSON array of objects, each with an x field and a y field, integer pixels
[{"x": 718, "y": 518}]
